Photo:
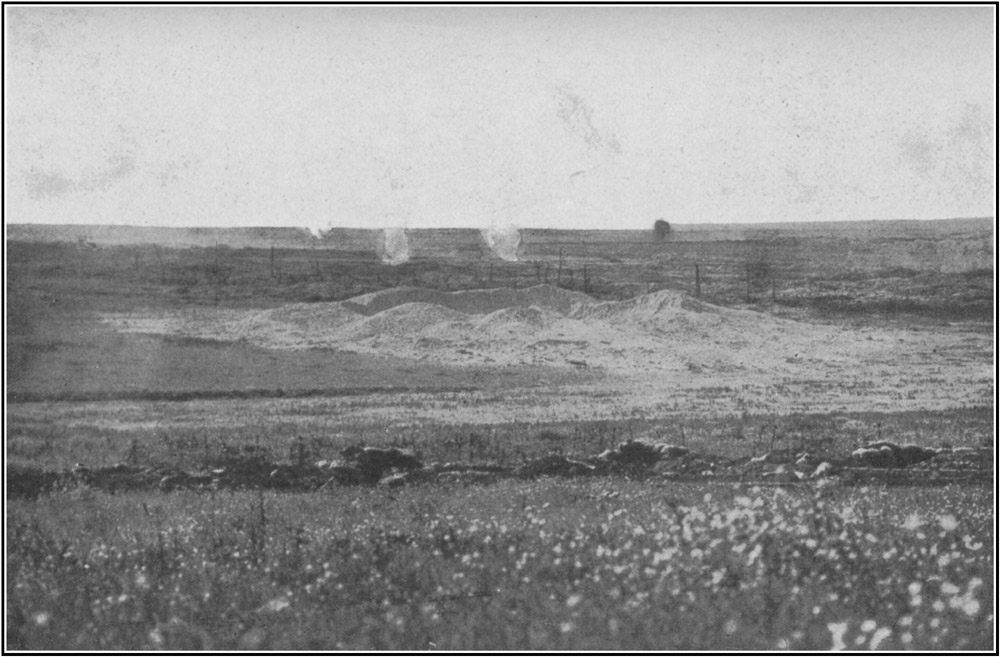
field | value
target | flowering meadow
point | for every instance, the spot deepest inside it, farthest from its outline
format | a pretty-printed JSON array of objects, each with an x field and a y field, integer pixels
[{"x": 591, "y": 564}]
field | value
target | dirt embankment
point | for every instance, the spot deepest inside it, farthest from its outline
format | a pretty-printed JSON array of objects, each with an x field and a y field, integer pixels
[
  {"x": 659, "y": 343},
  {"x": 877, "y": 463}
]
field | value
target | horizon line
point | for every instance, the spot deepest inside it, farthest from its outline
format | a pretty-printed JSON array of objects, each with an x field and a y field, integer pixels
[{"x": 688, "y": 226}]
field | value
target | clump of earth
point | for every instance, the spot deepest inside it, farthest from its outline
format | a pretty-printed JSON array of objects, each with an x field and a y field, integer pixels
[{"x": 882, "y": 462}]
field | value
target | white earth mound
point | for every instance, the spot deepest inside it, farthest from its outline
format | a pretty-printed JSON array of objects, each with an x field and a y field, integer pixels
[
  {"x": 656, "y": 353},
  {"x": 659, "y": 348},
  {"x": 542, "y": 325}
]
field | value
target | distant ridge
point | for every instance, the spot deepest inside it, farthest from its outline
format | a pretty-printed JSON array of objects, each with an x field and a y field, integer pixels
[
  {"x": 180, "y": 237},
  {"x": 441, "y": 241},
  {"x": 881, "y": 229}
]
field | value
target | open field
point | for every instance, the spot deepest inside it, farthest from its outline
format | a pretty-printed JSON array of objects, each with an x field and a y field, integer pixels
[
  {"x": 173, "y": 362},
  {"x": 597, "y": 564}
]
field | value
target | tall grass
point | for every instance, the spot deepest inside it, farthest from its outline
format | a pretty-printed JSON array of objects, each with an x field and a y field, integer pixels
[{"x": 543, "y": 565}]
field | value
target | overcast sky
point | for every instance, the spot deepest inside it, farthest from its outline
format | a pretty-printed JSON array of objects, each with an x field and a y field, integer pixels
[{"x": 537, "y": 117}]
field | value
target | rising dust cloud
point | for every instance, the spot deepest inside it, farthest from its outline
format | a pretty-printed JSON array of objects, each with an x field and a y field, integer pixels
[
  {"x": 316, "y": 231},
  {"x": 503, "y": 241},
  {"x": 395, "y": 247}
]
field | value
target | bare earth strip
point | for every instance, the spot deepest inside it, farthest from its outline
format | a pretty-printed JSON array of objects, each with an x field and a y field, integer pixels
[{"x": 659, "y": 355}]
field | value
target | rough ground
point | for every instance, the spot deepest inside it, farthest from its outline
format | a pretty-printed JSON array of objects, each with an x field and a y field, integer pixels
[
  {"x": 876, "y": 463},
  {"x": 659, "y": 346}
]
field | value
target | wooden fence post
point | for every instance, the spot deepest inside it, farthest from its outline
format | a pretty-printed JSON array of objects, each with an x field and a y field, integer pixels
[{"x": 697, "y": 280}]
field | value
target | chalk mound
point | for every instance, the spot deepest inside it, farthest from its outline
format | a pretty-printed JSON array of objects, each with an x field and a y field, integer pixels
[
  {"x": 665, "y": 332},
  {"x": 647, "y": 307},
  {"x": 661, "y": 305},
  {"x": 307, "y": 315},
  {"x": 530, "y": 316},
  {"x": 538, "y": 325},
  {"x": 402, "y": 321},
  {"x": 471, "y": 302}
]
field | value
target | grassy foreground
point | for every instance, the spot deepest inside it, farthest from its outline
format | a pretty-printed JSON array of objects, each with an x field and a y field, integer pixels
[{"x": 552, "y": 564}]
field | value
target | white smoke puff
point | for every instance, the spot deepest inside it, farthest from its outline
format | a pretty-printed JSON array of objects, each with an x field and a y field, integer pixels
[
  {"x": 395, "y": 248},
  {"x": 317, "y": 231},
  {"x": 503, "y": 241}
]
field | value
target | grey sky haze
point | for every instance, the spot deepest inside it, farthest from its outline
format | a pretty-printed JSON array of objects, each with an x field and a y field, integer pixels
[{"x": 597, "y": 117}]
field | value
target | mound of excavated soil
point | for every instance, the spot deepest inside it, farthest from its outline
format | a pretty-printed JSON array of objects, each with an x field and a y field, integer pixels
[
  {"x": 470, "y": 302},
  {"x": 653, "y": 344},
  {"x": 506, "y": 326},
  {"x": 539, "y": 325},
  {"x": 398, "y": 322}
]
